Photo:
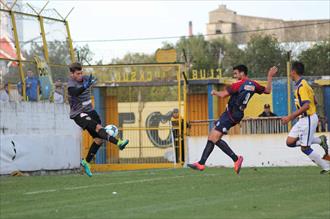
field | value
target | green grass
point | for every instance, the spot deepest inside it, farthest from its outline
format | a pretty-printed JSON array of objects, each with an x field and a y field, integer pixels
[{"x": 297, "y": 192}]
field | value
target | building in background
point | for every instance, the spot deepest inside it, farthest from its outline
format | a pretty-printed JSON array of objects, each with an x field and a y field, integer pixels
[{"x": 223, "y": 20}]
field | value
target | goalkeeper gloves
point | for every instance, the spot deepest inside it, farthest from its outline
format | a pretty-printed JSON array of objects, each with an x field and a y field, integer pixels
[{"x": 87, "y": 83}]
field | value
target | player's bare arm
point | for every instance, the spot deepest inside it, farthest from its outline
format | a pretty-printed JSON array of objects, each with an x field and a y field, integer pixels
[
  {"x": 287, "y": 119},
  {"x": 221, "y": 94},
  {"x": 272, "y": 72}
]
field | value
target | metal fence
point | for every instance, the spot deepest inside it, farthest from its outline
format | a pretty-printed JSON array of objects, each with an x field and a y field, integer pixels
[
  {"x": 147, "y": 145},
  {"x": 139, "y": 99},
  {"x": 30, "y": 40},
  {"x": 264, "y": 125}
]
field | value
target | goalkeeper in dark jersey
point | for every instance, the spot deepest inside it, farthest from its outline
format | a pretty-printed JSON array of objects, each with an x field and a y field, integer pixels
[{"x": 83, "y": 113}]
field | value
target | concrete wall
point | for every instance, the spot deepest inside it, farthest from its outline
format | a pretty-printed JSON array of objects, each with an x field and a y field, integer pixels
[
  {"x": 225, "y": 21},
  {"x": 37, "y": 136},
  {"x": 257, "y": 150}
]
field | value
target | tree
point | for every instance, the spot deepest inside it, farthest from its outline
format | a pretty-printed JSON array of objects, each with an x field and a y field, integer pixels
[
  {"x": 134, "y": 58},
  {"x": 195, "y": 50},
  {"x": 316, "y": 59},
  {"x": 59, "y": 57},
  {"x": 225, "y": 55},
  {"x": 58, "y": 52},
  {"x": 262, "y": 52},
  {"x": 167, "y": 45},
  {"x": 84, "y": 54}
]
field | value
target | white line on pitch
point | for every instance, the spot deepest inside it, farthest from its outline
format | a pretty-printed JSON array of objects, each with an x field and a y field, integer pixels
[
  {"x": 123, "y": 182},
  {"x": 100, "y": 185},
  {"x": 108, "y": 184},
  {"x": 40, "y": 191}
]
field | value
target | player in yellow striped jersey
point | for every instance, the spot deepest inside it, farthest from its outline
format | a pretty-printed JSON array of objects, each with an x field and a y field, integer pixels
[{"x": 302, "y": 133}]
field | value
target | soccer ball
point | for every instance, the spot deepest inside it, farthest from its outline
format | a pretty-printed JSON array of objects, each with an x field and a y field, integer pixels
[{"x": 112, "y": 130}]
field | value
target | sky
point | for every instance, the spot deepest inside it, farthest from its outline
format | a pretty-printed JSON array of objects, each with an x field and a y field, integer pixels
[{"x": 117, "y": 20}]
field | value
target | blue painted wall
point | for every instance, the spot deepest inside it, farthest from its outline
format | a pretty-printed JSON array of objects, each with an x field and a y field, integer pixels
[
  {"x": 280, "y": 97},
  {"x": 99, "y": 98},
  {"x": 210, "y": 104},
  {"x": 326, "y": 95}
]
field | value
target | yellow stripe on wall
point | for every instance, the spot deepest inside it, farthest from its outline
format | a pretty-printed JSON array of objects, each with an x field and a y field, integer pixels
[{"x": 256, "y": 104}]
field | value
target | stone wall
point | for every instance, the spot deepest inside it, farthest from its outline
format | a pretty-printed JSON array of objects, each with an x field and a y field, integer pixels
[{"x": 223, "y": 20}]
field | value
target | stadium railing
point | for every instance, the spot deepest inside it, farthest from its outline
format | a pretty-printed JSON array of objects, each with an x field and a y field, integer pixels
[{"x": 262, "y": 125}]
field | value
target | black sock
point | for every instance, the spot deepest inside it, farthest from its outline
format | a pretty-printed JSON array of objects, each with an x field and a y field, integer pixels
[
  {"x": 105, "y": 136},
  {"x": 92, "y": 151},
  {"x": 226, "y": 149},
  {"x": 207, "y": 151}
]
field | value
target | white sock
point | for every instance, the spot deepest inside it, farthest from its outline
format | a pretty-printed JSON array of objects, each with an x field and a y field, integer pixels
[
  {"x": 316, "y": 158},
  {"x": 316, "y": 140},
  {"x": 298, "y": 142}
]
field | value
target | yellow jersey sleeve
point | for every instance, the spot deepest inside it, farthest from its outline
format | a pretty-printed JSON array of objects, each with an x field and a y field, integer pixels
[{"x": 306, "y": 94}]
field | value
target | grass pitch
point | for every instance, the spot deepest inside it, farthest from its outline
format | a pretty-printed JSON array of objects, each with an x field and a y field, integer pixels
[{"x": 297, "y": 192}]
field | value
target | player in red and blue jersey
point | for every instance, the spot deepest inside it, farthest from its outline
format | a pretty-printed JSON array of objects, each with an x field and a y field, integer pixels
[{"x": 240, "y": 93}]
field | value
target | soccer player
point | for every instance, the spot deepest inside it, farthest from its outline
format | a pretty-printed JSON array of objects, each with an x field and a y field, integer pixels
[
  {"x": 302, "y": 133},
  {"x": 240, "y": 93},
  {"x": 84, "y": 115}
]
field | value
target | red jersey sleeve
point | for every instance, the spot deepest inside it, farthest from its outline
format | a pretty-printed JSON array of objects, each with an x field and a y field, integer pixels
[
  {"x": 259, "y": 88},
  {"x": 234, "y": 87}
]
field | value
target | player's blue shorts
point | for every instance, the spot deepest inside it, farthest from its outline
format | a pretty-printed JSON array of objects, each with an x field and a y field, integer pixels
[{"x": 228, "y": 120}]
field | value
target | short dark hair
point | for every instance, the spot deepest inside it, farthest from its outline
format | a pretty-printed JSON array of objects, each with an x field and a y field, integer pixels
[
  {"x": 298, "y": 67},
  {"x": 76, "y": 66},
  {"x": 241, "y": 68}
]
